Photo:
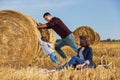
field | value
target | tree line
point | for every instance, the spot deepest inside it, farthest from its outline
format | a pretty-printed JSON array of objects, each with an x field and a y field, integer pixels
[{"x": 111, "y": 40}]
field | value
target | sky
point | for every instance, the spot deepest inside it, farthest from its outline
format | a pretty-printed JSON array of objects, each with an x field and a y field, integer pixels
[{"x": 102, "y": 15}]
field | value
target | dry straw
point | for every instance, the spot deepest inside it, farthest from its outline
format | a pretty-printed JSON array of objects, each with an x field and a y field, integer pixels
[
  {"x": 97, "y": 37},
  {"x": 85, "y": 31},
  {"x": 18, "y": 38},
  {"x": 49, "y": 34}
]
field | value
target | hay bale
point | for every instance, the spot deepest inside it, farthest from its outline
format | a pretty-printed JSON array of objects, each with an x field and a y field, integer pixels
[
  {"x": 84, "y": 31},
  {"x": 97, "y": 37},
  {"x": 18, "y": 38},
  {"x": 49, "y": 34}
]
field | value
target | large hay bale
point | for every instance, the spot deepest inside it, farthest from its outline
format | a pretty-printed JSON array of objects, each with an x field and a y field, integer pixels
[
  {"x": 49, "y": 34},
  {"x": 84, "y": 31},
  {"x": 97, "y": 37},
  {"x": 18, "y": 38}
]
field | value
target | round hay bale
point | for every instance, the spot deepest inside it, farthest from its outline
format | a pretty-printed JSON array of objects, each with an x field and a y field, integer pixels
[
  {"x": 84, "y": 31},
  {"x": 97, "y": 37},
  {"x": 18, "y": 38},
  {"x": 49, "y": 34}
]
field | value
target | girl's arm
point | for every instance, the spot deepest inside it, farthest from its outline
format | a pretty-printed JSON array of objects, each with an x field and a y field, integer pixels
[
  {"x": 41, "y": 42},
  {"x": 89, "y": 56},
  {"x": 88, "y": 61}
]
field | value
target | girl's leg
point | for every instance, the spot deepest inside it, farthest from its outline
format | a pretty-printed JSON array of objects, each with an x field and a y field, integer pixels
[
  {"x": 54, "y": 58},
  {"x": 75, "y": 60}
]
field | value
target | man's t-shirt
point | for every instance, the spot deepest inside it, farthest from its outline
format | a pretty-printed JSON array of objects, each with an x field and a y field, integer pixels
[{"x": 59, "y": 27}]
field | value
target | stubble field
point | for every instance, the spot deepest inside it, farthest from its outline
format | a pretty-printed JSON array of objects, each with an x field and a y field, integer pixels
[{"x": 106, "y": 56}]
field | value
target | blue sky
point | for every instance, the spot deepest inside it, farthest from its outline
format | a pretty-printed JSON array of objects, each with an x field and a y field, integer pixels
[{"x": 102, "y": 15}]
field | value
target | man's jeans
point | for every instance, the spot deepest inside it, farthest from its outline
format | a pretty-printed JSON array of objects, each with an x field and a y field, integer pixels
[
  {"x": 53, "y": 57},
  {"x": 69, "y": 40}
]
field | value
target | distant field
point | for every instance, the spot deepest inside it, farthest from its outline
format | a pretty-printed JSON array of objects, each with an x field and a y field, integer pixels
[{"x": 105, "y": 53}]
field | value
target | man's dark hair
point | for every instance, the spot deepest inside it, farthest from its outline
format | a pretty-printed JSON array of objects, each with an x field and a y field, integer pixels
[{"x": 46, "y": 14}]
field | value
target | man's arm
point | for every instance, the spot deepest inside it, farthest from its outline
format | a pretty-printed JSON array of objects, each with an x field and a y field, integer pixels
[{"x": 41, "y": 26}]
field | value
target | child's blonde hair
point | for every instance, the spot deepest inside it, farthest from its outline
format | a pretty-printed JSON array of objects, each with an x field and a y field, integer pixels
[{"x": 44, "y": 39}]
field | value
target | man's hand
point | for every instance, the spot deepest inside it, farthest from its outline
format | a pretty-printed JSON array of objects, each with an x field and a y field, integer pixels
[
  {"x": 39, "y": 23},
  {"x": 41, "y": 26},
  {"x": 78, "y": 42}
]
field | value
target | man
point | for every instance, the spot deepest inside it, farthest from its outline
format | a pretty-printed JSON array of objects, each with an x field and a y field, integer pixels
[{"x": 62, "y": 30}]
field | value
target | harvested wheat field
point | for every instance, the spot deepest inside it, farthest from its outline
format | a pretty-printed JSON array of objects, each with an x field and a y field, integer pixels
[{"x": 103, "y": 56}]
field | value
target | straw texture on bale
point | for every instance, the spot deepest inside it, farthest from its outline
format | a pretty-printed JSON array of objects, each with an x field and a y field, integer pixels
[
  {"x": 97, "y": 37},
  {"x": 85, "y": 31},
  {"x": 49, "y": 34},
  {"x": 18, "y": 38}
]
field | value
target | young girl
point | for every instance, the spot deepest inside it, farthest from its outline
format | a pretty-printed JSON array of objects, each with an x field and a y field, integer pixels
[
  {"x": 47, "y": 49},
  {"x": 83, "y": 58}
]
